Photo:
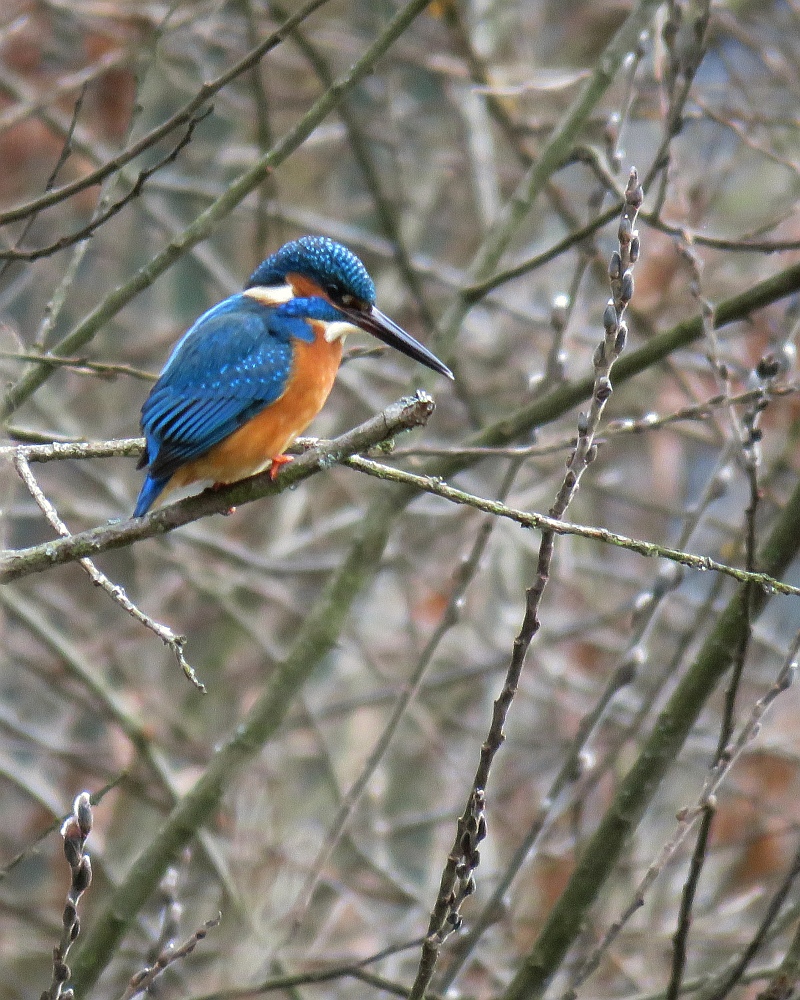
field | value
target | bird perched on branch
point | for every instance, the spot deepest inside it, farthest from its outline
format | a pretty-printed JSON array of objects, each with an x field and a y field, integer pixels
[{"x": 252, "y": 373}]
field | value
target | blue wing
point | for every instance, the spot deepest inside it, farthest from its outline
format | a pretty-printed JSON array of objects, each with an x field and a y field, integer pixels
[{"x": 233, "y": 362}]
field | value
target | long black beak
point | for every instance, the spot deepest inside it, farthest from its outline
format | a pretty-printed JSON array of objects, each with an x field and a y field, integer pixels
[{"x": 373, "y": 321}]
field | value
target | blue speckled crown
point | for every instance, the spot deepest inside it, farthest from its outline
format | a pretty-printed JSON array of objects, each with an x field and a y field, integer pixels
[{"x": 324, "y": 261}]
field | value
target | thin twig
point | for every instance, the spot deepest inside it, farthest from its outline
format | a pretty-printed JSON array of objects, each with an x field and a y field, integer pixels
[
  {"x": 57, "y": 824},
  {"x": 685, "y": 54},
  {"x": 59, "y": 88},
  {"x": 105, "y": 699},
  {"x": 81, "y": 365},
  {"x": 146, "y": 978},
  {"x": 783, "y": 980},
  {"x": 528, "y": 519},
  {"x": 570, "y": 773},
  {"x": 64, "y": 155},
  {"x": 385, "y": 206},
  {"x": 449, "y": 618},
  {"x": 748, "y": 436},
  {"x": 107, "y": 213},
  {"x": 324, "y": 975},
  {"x": 99, "y": 579},
  {"x": 457, "y": 880},
  {"x": 749, "y": 953},
  {"x": 75, "y": 830},
  {"x": 179, "y": 118}
]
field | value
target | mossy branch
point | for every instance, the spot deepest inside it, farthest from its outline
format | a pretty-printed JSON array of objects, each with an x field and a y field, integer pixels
[
  {"x": 542, "y": 522},
  {"x": 503, "y": 432},
  {"x": 412, "y": 411}
]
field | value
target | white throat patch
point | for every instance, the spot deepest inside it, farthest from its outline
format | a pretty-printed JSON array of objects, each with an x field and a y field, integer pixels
[{"x": 339, "y": 330}]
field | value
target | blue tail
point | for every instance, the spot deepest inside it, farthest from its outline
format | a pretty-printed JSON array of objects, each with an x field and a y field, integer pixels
[{"x": 150, "y": 490}]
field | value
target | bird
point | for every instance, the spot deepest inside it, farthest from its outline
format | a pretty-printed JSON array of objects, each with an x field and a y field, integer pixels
[{"x": 253, "y": 371}]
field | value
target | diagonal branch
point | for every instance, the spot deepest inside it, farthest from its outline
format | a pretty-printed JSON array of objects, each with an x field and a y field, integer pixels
[
  {"x": 412, "y": 411},
  {"x": 537, "y": 413},
  {"x": 99, "y": 579}
]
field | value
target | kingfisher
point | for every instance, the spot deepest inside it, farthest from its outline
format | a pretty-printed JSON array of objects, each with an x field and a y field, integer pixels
[{"x": 252, "y": 373}]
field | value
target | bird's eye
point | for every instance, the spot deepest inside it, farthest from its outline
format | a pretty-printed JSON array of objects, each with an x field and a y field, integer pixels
[{"x": 339, "y": 297}]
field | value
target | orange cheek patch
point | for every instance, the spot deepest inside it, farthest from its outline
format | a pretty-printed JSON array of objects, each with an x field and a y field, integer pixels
[{"x": 305, "y": 288}]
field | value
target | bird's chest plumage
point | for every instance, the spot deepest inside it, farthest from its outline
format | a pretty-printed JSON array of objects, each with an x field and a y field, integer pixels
[{"x": 251, "y": 448}]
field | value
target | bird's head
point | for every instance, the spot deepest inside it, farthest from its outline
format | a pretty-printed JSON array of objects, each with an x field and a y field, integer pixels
[{"x": 315, "y": 267}]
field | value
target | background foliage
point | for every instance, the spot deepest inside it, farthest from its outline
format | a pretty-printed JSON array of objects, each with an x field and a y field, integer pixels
[{"x": 481, "y": 140}]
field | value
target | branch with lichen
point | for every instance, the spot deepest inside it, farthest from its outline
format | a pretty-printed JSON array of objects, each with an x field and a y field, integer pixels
[{"x": 412, "y": 411}]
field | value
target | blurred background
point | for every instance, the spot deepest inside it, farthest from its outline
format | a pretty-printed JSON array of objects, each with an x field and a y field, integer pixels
[{"x": 413, "y": 170}]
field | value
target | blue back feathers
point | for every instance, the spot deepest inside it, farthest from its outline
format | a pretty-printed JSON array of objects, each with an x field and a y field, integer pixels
[
  {"x": 232, "y": 363},
  {"x": 337, "y": 270}
]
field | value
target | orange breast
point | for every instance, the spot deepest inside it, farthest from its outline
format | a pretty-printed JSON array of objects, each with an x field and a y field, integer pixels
[{"x": 252, "y": 447}]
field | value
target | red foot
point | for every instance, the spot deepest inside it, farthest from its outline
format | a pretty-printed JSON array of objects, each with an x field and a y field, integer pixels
[{"x": 277, "y": 462}]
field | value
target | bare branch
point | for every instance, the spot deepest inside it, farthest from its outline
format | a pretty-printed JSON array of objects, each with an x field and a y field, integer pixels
[
  {"x": 108, "y": 213},
  {"x": 180, "y": 118},
  {"x": 413, "y": 411}
]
